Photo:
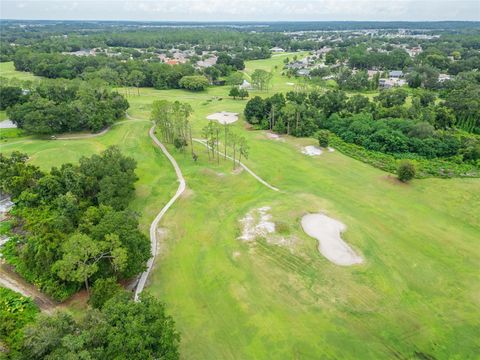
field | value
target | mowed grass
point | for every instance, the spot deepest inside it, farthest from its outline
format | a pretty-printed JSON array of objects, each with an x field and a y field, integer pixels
[
  {"x": 416, "y": 296},
  {"x": 7, "y": 70},
  {"x": 156, "y": 182}
]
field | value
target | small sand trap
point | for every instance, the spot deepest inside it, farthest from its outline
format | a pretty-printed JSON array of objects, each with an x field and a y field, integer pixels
[
  {"x": 224, "y": 117},
  {"x": 257, "y": 223},
  {"x": 330, "y": 149},
  {"x": 7, "y": 124},
  {"x": 312, "y": 150},
  {"x": 330, "y": 244},
  {"x": 290, "y": 83}
]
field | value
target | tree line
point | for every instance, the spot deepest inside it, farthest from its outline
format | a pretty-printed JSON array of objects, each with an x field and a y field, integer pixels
[
  {"x": 425, "y": 128},
  {"x": 57, "y": 106}
]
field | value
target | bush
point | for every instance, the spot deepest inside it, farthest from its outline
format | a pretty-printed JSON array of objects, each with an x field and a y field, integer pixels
[
  {"x": 194, "y": 83},
  {"x": 406, "y": 171},
  {"x": 16, "y": 311},
  {"x": 102, "y": 291},
  {"x": 322, "y": 137}
]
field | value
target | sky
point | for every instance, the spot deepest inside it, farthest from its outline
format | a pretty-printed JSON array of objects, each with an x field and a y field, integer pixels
[{"x": 242, "y": 10}]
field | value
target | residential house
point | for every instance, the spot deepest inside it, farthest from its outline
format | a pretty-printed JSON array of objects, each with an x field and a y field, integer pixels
[
  {"x": 444, "y": 77},
  {"x": 395, "y": 74}
]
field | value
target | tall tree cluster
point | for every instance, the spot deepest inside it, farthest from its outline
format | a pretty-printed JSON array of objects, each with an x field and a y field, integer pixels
[
  {"x": 172, "y": 120},
  {"x": 119, "y": 329},
  {"x": 425, "y": 128},
  {"x": 57, "y": 106},
  {"x": 72, "y": 225},
  {"x": 234, "y": 145}
]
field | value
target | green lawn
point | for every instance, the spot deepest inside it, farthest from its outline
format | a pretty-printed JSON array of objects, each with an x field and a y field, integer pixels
[
  {"x": 8, "y": 70},
  {"x": 416, "y": 295}
]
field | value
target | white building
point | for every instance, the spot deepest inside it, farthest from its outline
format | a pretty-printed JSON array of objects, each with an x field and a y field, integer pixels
[
  {"x": 277, "y": 50},
  {"x": 246, "y": 85}
]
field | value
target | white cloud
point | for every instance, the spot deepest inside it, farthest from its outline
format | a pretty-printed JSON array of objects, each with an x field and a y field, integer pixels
[{"x": 227, "y": 10}]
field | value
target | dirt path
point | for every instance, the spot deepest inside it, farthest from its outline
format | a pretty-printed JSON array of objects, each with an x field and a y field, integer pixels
[
  {"x": 11, "y": 280},
  {"x": 153, "y": 226},
  {"x": 243, "y": 166}
]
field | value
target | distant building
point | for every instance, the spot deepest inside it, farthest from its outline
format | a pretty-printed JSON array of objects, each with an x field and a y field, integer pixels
[
  {"x": 295, "y": 65},
  {"x": 414, "y": 51},
  {"x": 391, "y": 82},
  {"x": 277, "y": 50},
  {"x": 395, "y": 74},
  {"x": 444, "y": 77},
  {"x": 207, "y": 62},
  {"x": 303, "y": 72},
  {"x": 172, "y": 62}
]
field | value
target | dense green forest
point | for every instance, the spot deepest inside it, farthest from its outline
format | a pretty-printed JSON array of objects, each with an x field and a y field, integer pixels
[
  {"x": 57, "y": 106},
  {"x": 72, "y": 225},
  {"x": 111, "y": 328},
  {"x": 425, "y": 129}
]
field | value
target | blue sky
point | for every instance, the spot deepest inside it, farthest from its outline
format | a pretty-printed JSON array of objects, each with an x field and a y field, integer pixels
[{"x": 241, "y": 10}]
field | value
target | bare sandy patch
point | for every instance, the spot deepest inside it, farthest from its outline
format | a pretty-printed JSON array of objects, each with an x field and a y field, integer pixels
[
  {"x": 330, "y": 149},
  {"x": 330, "y": 243},
  {"x": 224, "y": 117},
  {"x": 257, "y": 223},
  {"x": 312, "y": 150},
  {"x": 7, "y": 124},
  {"x": 237, "y": 170},
  {"x": 273, "y": 136}
]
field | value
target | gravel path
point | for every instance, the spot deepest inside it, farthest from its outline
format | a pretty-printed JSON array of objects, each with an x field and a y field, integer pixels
[
  {"x": 153, "y": 226},
  {"x": 10, "y": 280}
]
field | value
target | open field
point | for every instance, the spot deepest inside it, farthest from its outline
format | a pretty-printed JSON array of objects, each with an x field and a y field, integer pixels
[
  {"x": 415, "y": 296},
  {"x": 7, "y": 70}
]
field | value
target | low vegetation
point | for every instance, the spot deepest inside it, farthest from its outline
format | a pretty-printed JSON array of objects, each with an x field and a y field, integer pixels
[{"x": 16, "y": 311}]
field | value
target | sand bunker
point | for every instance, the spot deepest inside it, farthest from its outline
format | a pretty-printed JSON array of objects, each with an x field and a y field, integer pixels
[
  {"x": 330, "y": 149},
  {"x": 224, "y": 117},
  {"x": 312, "y": 150},
  {"x": 257, "y": 223},
  {"x": 330, "y": 244},
  {"x": 7, "y": 124}
]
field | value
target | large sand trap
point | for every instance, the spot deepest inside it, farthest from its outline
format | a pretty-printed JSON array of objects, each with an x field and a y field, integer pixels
[
  {"x": 224, "y": 117},
  {"x": 330, "y": 244},
  {"x": 257, "y": 223},
  {"x": 312, "y": 150}
]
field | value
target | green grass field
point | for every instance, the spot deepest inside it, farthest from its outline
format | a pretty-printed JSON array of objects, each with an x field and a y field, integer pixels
[{"x": 416, "y": 296}]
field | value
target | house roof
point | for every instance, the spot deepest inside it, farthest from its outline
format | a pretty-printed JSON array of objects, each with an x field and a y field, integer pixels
[{"x": 396, "y": 73}]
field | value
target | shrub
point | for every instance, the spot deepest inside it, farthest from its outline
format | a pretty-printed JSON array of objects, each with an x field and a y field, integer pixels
[
  {"x": 102, "y": 291},
  {"x": 194, "y": 83},
  {"x": 322, "y": 137},
  {"x": 16, "y": 311},
  {"x": 406, "y": 171}
]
